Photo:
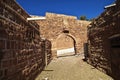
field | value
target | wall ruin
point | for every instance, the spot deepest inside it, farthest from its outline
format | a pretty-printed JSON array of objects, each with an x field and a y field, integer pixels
[
  {"x": 22, "y": 51},
  {"x": 104, "y": 41},
  {"x": 56, "y": 24}
]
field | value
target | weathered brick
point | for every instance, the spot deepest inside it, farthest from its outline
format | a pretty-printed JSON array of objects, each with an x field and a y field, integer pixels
[{"x": 20, "y": 48}]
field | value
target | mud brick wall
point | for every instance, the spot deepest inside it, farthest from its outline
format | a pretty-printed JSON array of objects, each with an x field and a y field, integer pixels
[
  {"x": 100, "y": 33},
  {"x": 22, "y": 55},
  {"x": 55, "y": 24}
]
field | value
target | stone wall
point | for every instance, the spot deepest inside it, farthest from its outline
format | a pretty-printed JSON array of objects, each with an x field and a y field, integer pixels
[
  {"x": 57, "y": 24},
  {"x": 46, "y": 46},
  {"x": 22, "y": 54},
  {"x": 104, "y": 41}
]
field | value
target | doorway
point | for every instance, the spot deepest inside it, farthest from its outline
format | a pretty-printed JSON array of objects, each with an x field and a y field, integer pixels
[
  {"x": 115, "y": 57},
  {"x": 65, "y": 45}
]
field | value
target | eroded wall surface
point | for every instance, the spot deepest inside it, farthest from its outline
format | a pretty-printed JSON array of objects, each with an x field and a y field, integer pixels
[
  {"x": 57, "y": 24},
  {"x": 22, "y": 51},
  {"x": 104, "y": 41}
]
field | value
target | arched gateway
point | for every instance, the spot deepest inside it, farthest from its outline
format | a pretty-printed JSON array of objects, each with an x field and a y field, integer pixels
[{"x": 65, "y": 45}]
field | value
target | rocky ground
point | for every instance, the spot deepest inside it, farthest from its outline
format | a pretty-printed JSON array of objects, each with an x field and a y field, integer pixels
[{"x": 71, "y": 68}]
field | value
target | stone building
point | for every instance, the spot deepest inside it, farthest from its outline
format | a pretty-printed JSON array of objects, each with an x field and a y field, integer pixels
[
  {"x": 22, "y": 51},
  {"x": 65, "y": 33},
  {"x": 104, "y": 41}
]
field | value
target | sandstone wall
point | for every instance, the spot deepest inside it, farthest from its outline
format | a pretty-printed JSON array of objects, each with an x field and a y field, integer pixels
[
  {"x": 22, "y": 55},
  {"x": 100, "y": 34},
  {"x": 55, "y": 24}
]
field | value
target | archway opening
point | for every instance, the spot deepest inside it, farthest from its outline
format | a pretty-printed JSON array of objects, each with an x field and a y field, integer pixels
[{"x": 65, "y": 45}]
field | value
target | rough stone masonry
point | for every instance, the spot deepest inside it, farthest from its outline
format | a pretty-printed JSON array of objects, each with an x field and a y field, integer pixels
[
  {"x": 104, "y": 41},
  {"x": 57, "y": 27},
  {"x": 25, "y": 49},
  {"x": 22, "y": 51}
]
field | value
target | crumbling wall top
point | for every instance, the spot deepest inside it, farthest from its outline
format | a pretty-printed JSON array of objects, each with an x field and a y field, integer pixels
[{"x": 53, "y": 15}]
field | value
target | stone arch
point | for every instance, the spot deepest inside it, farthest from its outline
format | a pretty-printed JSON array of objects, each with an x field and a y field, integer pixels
[
  {"x": 74, "y": 39},
  {"x": 57, "y": 43}
]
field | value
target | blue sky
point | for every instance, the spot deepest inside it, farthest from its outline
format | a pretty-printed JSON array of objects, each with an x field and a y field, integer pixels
[{"x": 89, "y": 8}]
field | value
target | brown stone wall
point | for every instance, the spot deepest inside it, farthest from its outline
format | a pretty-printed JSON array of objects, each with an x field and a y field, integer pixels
[
  {"x": 22, "y": 54},
  {"x": 47, "y": 51},
  {"x": 100, "y": 34},
  {"x": 55, "y": 24}
]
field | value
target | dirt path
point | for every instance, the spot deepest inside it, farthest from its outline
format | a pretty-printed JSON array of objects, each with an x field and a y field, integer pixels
[{"x": 71, "y": 68}]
